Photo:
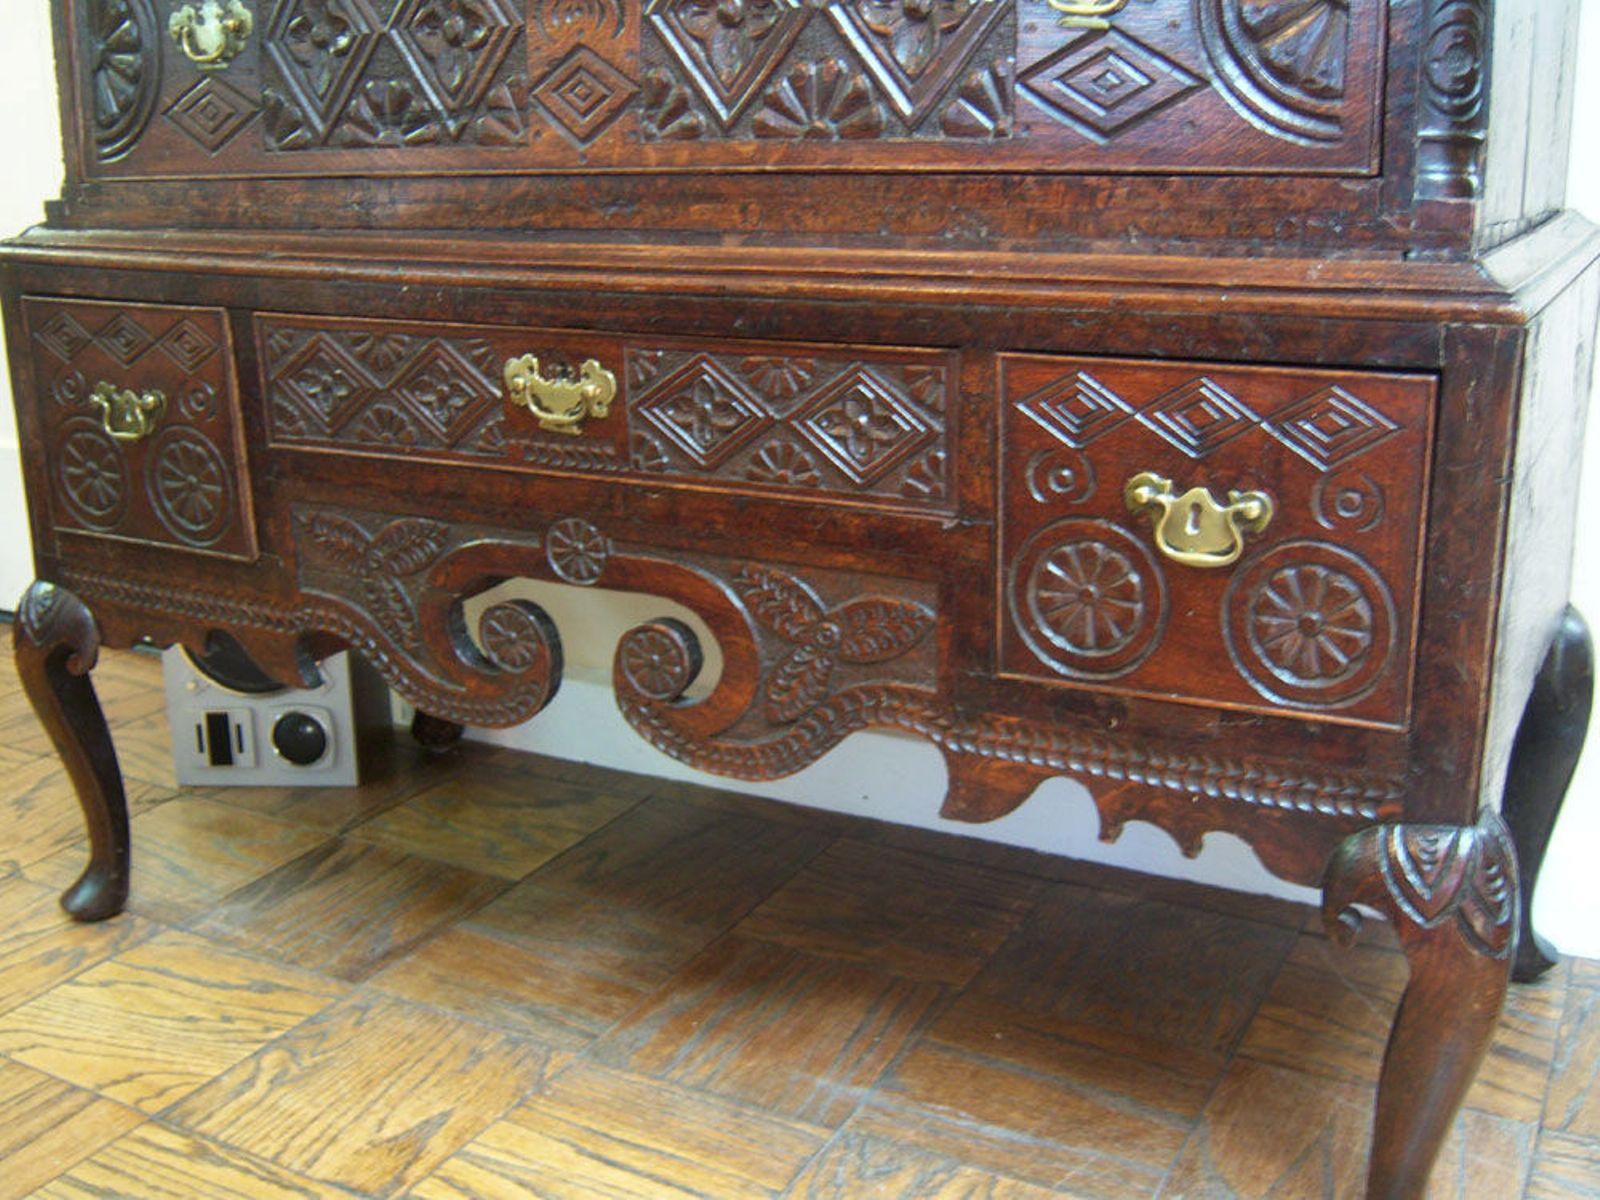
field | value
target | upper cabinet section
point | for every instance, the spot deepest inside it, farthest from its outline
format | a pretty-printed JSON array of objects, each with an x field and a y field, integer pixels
[{"x": 403, "y": 87}]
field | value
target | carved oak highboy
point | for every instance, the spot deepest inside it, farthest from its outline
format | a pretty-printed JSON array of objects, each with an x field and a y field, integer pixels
[{"x": 1178, "y": 395}]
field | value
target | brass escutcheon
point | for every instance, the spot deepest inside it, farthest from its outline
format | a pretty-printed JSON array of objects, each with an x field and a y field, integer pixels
[
  {"x": 1087, "y": 14},
  {"x": 126, "y": 415},
  {"x": 1194, "y": 529},
  {"x": 214, "y": 34},
  {"x": 563, "y": 403}
]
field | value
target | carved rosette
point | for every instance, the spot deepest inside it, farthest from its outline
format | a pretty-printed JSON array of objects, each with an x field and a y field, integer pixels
[
  {"x": 660, "y": 660},
  {"x": 1427, "y": 878},
  {"x": 124, "y": 72},
  {"x": 1454, "y": 116},
  {"x": 1281, "y": 63}
]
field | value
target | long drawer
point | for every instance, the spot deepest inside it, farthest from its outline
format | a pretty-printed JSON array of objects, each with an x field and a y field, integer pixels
[{"x": 1249, "y": 536}]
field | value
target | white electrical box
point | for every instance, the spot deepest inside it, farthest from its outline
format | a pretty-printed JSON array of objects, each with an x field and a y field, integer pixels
[{"x": 264, "y": 735}]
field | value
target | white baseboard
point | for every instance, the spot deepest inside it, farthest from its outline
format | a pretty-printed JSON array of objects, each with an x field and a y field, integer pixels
[{"x": 894, "y": 778}]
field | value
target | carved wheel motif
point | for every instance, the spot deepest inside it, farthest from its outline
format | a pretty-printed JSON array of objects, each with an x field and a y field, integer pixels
[
  {"x": 188, "y": 486},
  {"x": 577, "y": 551},
  {"x": 1309, "y": 624},
  {"x": 519, "y": 637},
  {"x": 1088, "y": 598},
  {"x": 93, "y": 476},
  {"x": 124, "y": 66},
  {"x": 1281, "y": 63},
  {"x": 660, "y": 659}
]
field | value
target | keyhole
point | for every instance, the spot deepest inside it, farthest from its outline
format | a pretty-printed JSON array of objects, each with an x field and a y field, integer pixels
[{"x": 1192, "y": 525}]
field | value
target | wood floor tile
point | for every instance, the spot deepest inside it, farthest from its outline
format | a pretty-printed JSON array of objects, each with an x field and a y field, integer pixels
[
  {"x": 1565, "y": 1168},
  {"x": 557, "y": 966},
  {"x": 681, "y": 862},
  {"x": 189, "y": 853},
  {"x": 1272, "y": 1134},
  {"x": 40, "y": 946},
  {"x": 46, "y": 1126},
  {"x": 159, "y": 1163},
  {"x": 592, "y": 1132},
  {"x": 1330, "y": 1011},
  {"x": 503, "y": 822},
  {"x": 347, "y": 908},
  {"x": 1040, "y": 1126},
  {"x": 39, "y": 813},
  {"x": 922, "y": 918},
  {"x": 858, "y": 1166},
  {"x": 1586, "y": 972},
  {"x": 372, "y": 1094},
  {"x": 1573, "y": 1105},
  {"x": 144, "y": 748},
  {"x": 794, "y": 1035},
  {"x": 159, "y": 1020},
  {"x": 1116, "y": 988}
]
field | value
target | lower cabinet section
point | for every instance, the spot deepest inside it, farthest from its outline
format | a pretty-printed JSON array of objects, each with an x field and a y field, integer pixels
[
  {"x": 138, "y": 413},
  {"x": 1242, "y": 535}
]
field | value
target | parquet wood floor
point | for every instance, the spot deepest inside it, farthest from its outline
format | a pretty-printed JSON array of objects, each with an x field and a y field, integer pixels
[{"x": 488, "y": 975}]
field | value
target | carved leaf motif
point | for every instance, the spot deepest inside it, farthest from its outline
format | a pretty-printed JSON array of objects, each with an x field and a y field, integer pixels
[
  {"x": 799, "y": 684},
  {"x": 780, "y": 602},
  {"x": 876, "y": 629},
  {"x": 406, "y": 547},
  {"x": 391, "y": 610},
  {"x": 341, "y": 542}
]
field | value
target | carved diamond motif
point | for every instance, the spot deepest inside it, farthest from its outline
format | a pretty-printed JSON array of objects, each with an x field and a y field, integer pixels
[
  {"x": 320, "y": 47},
  {"x": 124, "y": 338},
  {"x": 1104, "y": 82},
  {"x": 187, "y": 345},
  {"x": 915, "y": 48},
  {"x": 445, "y": 390},
  {"x": 63, "y": 336},
  {"x": 1199, "y": 417},
  {"x": 704, "y": 411},
  {"x": 326, "y": 382},
  {"x": 454, "y": 47},
  {"x": 212, "y": 113},
  {"x": 1331, "y": 427},
  {"x": 727, "y": 50},
  {"x": 584, "y": 94},
  {"x": 863, "y": 424},
  {"x": 1077, "y": 409}
]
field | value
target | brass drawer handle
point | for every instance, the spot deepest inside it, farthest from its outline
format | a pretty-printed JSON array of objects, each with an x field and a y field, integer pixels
[
  {"x": 214, "y": 34},
  {"x": 1087, "y": 14},
  {"x": 562, "y": 403},
  {"x": 1194, "y": 529},
  {"x": 127, "y": 415}
]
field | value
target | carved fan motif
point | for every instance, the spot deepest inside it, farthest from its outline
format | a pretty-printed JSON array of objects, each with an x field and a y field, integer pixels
[
  {"x": 1303, "y": 42},
  {"x": 124, "y": 63},
  {"x": 1281, "y": 63}
]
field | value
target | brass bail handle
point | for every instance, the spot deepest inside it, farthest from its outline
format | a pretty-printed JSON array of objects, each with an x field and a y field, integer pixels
[
  {"x": 1087, "y": 14},
  {"x": 562, "y": 402},
  {"x": 128, "y": 416},
  {"x": 213, "y": 34},
  {"x": 1194, "y": 529}
]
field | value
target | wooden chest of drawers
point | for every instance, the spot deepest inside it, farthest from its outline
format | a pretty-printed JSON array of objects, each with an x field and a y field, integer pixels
[{"x": 1177, "y": 395}]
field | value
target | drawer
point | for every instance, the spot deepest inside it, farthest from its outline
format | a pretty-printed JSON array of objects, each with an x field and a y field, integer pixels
[
  {"x": 1316, "y": 615},
  {"x": 423, "y": 86},
  {"x": 844, "y": 423},
  {"x": 139, "y": 414}
]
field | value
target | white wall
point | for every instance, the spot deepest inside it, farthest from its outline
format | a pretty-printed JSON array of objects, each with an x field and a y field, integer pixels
[{"x": 893, "y": 777}]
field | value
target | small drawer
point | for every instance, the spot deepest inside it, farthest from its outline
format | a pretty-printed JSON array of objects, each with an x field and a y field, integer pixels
[
  {"x": 1249, "y": 536},
  {"x": 849, "y": 423},
  {"x": 139, "y": 413}
]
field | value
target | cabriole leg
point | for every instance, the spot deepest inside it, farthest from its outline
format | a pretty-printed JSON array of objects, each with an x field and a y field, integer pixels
[
  {"x": 1452, "y": 895},
  {"x": 1549, "y": 741},
  {"x": 56, "y": 644}
]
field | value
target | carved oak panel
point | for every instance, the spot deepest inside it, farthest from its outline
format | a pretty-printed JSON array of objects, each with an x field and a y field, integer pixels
[
  {"x": 424, "y": 85},
  {"x": 184, "y": 481},
  {"x": 1315, "y": 616},
  {"x": 865, "y": 425}
]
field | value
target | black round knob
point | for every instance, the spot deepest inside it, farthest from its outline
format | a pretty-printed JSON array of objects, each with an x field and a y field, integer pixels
[{"x": 300, "y": 738}]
